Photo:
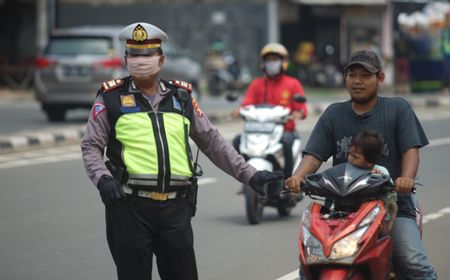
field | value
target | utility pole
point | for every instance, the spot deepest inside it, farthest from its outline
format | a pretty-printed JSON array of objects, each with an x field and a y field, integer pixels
[
  {"x": 272, "y": 21},
  {"x": 41, "y": 24}
]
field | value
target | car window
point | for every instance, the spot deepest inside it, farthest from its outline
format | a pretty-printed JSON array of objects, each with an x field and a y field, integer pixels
[{"x": 80, "y": 45}]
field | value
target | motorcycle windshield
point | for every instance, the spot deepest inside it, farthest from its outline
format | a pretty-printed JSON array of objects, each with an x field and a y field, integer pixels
[{"x": 345, "y": 180}]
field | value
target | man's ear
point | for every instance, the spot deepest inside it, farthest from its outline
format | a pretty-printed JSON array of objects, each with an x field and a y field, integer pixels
[
  {"x": 380, "y": 77},
  {"x": 161, "y": 61}
]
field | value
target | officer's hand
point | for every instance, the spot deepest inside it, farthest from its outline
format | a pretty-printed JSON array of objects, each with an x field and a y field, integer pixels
[
  {"x": 293, "y": 183},
  {"x": 110, "y": 190},
  {"x": 263, "y": 177},
  {"x": 404, "y": 184}
]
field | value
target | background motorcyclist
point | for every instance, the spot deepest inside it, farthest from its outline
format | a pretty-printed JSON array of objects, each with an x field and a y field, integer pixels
[{"x": 276, "y": 88}]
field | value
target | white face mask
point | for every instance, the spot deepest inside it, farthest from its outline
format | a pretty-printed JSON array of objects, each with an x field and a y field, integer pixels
[
  {"x": 143, "y": 66},
  {"x": 272, "y": 67}
]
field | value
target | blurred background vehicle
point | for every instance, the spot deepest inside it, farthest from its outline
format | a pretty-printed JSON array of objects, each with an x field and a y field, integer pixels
[
  {"x": 73, "y": 65},
  {"x": 224, "y": 72},
  {"x": 77, "y": 60},
  {"x": 179, "y": 65}
]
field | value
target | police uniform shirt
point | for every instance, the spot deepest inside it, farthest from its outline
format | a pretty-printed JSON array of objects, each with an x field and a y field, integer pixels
[{"x": 206, "y": 136}]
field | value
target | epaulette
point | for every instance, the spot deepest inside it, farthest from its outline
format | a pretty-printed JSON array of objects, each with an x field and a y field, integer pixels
[
  {"x": 181, "y": 84},
  {"x": 112, "y": 84}
]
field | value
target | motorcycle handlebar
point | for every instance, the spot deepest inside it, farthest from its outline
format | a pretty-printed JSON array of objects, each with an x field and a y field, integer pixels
[{"x": 284, "y": 192}]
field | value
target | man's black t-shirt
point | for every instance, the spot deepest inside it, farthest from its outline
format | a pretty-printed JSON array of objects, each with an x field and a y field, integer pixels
[{"x": 393, "y": 117}]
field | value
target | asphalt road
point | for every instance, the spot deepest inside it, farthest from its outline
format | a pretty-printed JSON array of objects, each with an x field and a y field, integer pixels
[{"x": 52, "y": 220}]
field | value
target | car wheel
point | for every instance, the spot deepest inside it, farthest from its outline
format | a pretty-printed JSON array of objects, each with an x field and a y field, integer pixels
[{"x": 55, "y": 114}]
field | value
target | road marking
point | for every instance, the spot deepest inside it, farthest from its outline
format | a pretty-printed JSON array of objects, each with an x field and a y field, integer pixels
[
  {"x": 433, "y": 216},
  {"x": 207, "y": 180},
  {"x": 439, "y": 142},
  {"x": 436, "y": 215},
  {"x": 291, "y": 276}
]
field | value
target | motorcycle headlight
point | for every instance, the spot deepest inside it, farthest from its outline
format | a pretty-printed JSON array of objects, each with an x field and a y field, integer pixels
[
  {"x": 314, "y": 249},
  {"x": 370, "y": 217},
  {"x": 348, "y": 246},
  {"x": 305, "y": 220}
]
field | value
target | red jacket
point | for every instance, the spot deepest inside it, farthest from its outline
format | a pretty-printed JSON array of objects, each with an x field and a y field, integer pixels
[{"x": 276, "y": 91}]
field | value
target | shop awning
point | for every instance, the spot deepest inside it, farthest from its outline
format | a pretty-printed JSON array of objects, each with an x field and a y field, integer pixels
[{"x": 341, "y": 2}]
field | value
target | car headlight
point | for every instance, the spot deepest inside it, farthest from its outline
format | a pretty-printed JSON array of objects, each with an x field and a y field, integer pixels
[
  {"x": 314, "y": 249},
  {"x": 348, "y": 246}
]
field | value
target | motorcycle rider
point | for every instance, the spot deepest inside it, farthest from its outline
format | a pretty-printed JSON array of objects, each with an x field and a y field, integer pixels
[
  {"x": 403, "y": 135},
  {"x": 276, "y": 88}
]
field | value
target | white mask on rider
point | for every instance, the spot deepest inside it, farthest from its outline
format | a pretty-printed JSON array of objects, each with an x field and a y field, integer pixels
[
  {"x": 272, "y": 67},
  {"x": 143, "y": 66}
]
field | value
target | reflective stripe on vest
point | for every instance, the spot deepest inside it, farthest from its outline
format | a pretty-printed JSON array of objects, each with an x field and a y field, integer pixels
[{"x": 136, "y": 132}]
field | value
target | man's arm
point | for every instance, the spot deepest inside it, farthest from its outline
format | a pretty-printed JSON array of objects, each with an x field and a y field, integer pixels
[
  {"x": 308, "y": 165},
  {"x": 219, "y": 150},
  {"x": 94, "y": 141},
  {"x": 410, "y": 165}
]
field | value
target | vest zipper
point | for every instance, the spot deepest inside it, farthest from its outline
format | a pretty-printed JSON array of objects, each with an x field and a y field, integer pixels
[
  {"x": 164, "y": 171},
  {"x": 163, "y": 154}
]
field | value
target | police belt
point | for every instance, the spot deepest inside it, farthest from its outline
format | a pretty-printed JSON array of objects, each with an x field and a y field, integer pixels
[
  {"x": 154, "y": 195},
  {"x": 148, "y": 181}
]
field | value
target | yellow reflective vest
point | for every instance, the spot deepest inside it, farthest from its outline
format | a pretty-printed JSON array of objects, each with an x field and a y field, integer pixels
[{"x": 152, "y": 146}]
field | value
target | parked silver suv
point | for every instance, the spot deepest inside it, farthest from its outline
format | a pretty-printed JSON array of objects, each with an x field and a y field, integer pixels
[{"x": 77, "y": 60}]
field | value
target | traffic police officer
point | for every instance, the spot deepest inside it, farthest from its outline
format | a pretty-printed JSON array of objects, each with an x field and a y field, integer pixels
[{"x": 148, "y": 183}]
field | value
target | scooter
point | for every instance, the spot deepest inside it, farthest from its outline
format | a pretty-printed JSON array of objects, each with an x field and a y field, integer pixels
[
  {"x": 348, "y": 237},
  {"x": 260, "y": 146}
]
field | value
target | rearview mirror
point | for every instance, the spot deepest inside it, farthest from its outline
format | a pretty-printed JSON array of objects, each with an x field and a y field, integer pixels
[
  {"x": 232, "y": 96},
  {"x": 299, "y": 98}
]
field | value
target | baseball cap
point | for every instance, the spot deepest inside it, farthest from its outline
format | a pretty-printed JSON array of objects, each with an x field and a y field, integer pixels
[
  {"x": 367, "y": 59},
  {"x": 142, "y": 38}
]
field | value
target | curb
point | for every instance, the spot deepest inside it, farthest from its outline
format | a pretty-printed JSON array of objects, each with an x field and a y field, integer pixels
[
  {"x": 26, "y": 141},
  {"x": 41, "y": 139}
]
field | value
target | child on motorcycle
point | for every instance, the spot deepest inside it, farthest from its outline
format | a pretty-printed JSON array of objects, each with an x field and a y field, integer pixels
[{"x": 364, "y": 149}]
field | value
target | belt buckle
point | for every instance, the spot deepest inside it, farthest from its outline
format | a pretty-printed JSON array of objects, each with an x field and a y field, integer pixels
[{"x": 159, "y": 196}]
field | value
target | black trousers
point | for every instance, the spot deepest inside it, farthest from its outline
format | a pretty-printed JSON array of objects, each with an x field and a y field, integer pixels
[
  {"x": 139, "y": 228},
  {"x": 287, "y": 140}
]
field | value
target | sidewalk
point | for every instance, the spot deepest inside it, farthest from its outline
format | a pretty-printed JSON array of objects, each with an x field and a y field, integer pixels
[{"x": 217, "y": 109}]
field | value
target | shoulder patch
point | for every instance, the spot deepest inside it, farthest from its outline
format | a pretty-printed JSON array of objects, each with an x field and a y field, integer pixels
[
  {"x": 196, "y": 107},
  {"x": 181, "y": 84},
  {"x": 112, "y": 84}
]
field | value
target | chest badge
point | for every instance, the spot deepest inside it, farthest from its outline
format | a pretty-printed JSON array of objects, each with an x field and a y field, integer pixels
[
  {"x": 127, "y": 101},
  {"x": 128, "y": 104}
]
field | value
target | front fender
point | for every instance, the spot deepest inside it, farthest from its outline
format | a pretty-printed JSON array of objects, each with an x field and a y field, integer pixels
[{"x": 260, "y": 164}]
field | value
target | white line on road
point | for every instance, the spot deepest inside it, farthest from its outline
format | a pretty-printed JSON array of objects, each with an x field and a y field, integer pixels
[
  {"x": 207, "y": 180},
  {"x": 439, "y": 142},
  {"x": 436, "y": 215},
  {"x": 40, "y": 160},
  {"x": 291, "y": 276}
]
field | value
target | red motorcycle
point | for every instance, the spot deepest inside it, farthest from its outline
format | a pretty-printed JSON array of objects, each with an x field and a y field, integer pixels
[{"x": 348, "y": 237}]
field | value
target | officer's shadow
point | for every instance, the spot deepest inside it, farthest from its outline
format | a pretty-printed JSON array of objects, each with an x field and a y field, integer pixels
[{"x": 270, "y": 216}]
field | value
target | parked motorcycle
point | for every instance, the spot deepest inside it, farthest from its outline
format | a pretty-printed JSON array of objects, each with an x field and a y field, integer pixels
[
  {"x": 348, "y": 237},
  {"x": 260, "y": 146}
]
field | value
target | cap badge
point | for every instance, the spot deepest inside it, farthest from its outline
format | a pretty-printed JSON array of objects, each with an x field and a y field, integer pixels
[{"x": 139, "y": 34}]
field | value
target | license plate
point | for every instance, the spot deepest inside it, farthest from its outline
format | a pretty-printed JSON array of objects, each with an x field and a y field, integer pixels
[
  {"x": 258, "y": 127},
  {"x": 77, "y": 71}
]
